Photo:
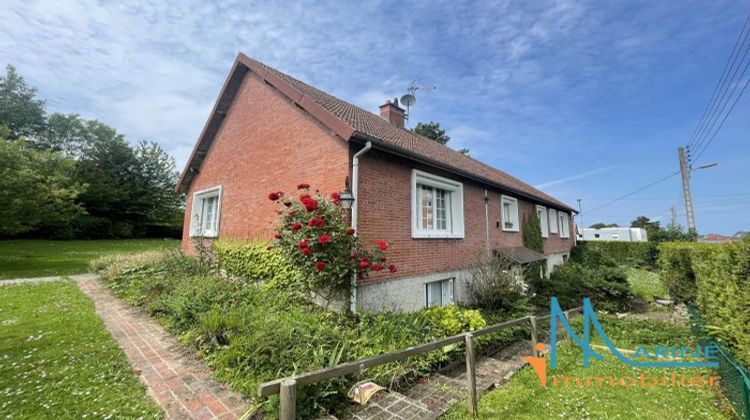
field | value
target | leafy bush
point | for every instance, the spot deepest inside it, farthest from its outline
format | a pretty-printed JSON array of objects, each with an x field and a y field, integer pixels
[
  {"x": 250, "y": 334},
  {"x": 254, "y": 262},
  {"x": 497, "y": 284},
  {"x": 636, "y": 254},
  {"x": 676, "y": 269},
  {"x": 317, "y": 240},
  {"x": 606, "y": 286}
]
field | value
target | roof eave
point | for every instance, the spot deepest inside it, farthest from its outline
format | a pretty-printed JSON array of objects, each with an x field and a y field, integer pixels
[
  {"x": 242, "y": 65},
  {"x": 381, "y": 145}
]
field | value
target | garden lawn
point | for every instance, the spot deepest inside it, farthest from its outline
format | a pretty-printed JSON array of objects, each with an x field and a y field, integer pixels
[
  {"x": 524, "y": 398},
  {"x": 646, "y": 284},
  {"x": 57, "y": 360},
  {"x": 40, "y": 258}
]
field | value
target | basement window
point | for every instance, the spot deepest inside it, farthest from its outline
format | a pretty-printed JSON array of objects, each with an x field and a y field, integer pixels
[
  {"x": 509, "y": 213},
  {"x": 439, "y": 293},
  {"x": 437, "y": 206},
  {"x": 541, "y": 212},
  {"x": 206, "y": 211}
]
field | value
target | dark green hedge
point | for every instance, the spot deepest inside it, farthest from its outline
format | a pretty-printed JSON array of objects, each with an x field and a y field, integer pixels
[
  {"x": 638, "y": 254},
  {"x": 716, "y": 278}
]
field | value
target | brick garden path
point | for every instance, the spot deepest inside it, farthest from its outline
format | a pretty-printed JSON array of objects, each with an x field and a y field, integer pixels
[{"x": 175, "y": 377}]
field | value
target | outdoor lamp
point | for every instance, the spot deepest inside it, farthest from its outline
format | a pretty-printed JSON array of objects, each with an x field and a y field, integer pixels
[{"x": 347, "y": 198}]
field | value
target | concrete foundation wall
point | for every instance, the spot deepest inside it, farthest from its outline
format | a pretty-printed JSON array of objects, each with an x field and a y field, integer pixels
[{"x": 409, "y": 294}]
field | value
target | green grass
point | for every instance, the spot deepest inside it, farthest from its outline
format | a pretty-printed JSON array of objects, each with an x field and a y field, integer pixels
[
  {"x": 646, "y": 284},
  {"x": 57, "y": 360},
  {"x": 524, "y": 398},
  {"x": 39, "y": 258}
]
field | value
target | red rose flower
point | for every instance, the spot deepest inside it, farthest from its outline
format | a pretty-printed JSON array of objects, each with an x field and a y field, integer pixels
[
  {"x": 336, "y": 198},
  {"x": 296, "y": 226},
  {"x": 305, "y": 251},
  {"x": 363, "y": 263},
  {"x": 392, "y": 268},
  {"x": 314, "y": 222},
  {"x": 324, "y": 239},
  {"x": 277, "y": 236},
  {"x": 310, "y": 204},
  {"x": 302, "y": 244},
  {"x": 353, "y": 255},
  {"x": 320, "y": 266},
  {"x": 303, "y": 186},
  {"x": 383, "y": 245},
  {"x": 377, "y": 267},
  {"x": 274, "y": 196},
  {"x": 350, "y": 231}
]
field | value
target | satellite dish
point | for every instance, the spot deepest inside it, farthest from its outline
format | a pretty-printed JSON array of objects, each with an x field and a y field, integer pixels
[{"x": 408, "y": 99}]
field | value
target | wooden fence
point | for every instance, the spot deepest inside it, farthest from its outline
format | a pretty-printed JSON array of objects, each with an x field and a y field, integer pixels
[{"x": 287, "y": 387}]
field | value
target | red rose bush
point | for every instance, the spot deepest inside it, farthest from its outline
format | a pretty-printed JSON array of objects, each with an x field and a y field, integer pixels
[{"x": 314, "y": 235}]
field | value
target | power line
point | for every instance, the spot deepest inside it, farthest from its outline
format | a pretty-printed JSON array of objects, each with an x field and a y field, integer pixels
[
  {"x": 729, "y": 86},
  {"x": 660, "y": 180},
  {"x": 719, "y": 84},
  {"x": 725, "y": 115}
]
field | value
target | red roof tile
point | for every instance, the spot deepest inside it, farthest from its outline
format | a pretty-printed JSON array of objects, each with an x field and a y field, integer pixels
[{"x": 358, "y": 122}]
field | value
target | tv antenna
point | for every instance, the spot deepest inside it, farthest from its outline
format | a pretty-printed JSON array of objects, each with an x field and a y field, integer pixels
[{"x": 410, "y": 98}]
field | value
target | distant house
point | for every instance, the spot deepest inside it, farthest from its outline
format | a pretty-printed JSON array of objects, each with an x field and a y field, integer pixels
[
  {"x": 621, "y": 234},
  {"x": 740, "y": 235},
  {"x": 436, "y": 207},
  {"x": 715, "y": 238}
]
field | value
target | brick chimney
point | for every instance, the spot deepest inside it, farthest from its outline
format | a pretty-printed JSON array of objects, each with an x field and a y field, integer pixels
[{"x": 393, "y": 113}]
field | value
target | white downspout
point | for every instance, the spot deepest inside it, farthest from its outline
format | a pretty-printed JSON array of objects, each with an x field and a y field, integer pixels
[
  {"x": 355, "y": 216},
  {"x": 487, "y": 223}
]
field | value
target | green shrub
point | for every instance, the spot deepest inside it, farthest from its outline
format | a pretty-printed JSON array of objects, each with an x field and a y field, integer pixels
[
  {"x": 716, "y": 278},
  {"x": 636, "y": 254},
  {"x": 250, "y": 334},
  {"x": 254, "y": 262},
  {"x": 723, "y": 293},
  {"x": 676, "y": 270},
  {"x": 607, "y": 287}
]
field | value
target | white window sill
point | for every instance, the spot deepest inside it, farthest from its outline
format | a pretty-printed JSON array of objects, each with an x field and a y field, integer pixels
[
  {"x": 513, "y": 229},
  {"x": 205, "y": 235},
  {"x": 436, "y": 235}
]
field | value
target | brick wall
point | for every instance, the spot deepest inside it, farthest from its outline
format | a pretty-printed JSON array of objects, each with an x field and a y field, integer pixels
[
  {"x": 265, "y": 144},
  {"x": 385, "y": 213}
]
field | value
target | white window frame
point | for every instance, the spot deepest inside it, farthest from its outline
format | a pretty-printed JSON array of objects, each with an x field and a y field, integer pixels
[
  {"x": 454, "y": 213},
  {"x": 543, "y": 220},
  {"x": 564, "y": 224},
  {"x": 514, "y": 214},
  {"x": 553, "y": 223},
  {"x": 447, "y": 292},
  {"x": 196, "y": 212}
]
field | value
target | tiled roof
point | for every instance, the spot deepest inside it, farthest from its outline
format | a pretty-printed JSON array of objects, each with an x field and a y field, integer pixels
[
  {"x": 371, "y": 125},
  {"x": 350, "y": 121}
]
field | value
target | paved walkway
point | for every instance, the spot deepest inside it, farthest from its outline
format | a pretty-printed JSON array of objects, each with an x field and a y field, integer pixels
[
  {"x": 74, "y": 277},
  {"x": 177, "y": 379}
]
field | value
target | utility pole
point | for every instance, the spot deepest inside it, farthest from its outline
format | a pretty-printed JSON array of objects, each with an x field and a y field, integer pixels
[
  {"x": 674, "y": 217},
  {"x": 685, "y": 172}
]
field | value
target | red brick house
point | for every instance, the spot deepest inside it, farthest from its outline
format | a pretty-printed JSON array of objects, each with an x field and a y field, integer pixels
[{"x": 436, "y": 207}]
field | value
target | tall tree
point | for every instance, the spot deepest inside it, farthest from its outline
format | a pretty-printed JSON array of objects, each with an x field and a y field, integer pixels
[
  {"x": 37, "y": 190},
  {"x": 603, "y": 225},
  {"x": 432, "y": 130},
  {"x": 20, "y": 110}
]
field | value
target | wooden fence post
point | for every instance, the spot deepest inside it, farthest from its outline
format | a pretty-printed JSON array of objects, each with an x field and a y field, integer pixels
[
  {"x": 471, "y": 373},
  {"x": 534, "y": 352},
  {"x": 288, "y": 400}
]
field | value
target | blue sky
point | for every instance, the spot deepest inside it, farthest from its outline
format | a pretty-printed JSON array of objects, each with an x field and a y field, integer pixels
[{"x": 584, "y": 99}]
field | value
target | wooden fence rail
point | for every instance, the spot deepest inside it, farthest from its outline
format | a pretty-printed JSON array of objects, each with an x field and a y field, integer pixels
[{"x": 287, "y": 387}]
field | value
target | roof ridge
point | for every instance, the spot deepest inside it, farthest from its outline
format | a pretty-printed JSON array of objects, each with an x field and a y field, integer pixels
[{"x": 346, "y": 120}]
